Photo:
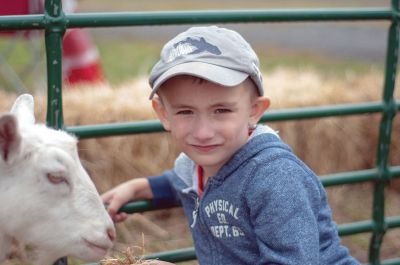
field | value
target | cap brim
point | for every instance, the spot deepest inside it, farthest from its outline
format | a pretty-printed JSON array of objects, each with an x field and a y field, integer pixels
[{"x": 213, "y": 73}]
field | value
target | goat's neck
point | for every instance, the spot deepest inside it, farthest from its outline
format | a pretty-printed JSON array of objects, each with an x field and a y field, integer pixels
[{"x": 43, "y": 258}]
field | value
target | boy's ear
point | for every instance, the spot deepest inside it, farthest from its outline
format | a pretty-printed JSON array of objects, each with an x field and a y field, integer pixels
[
  {"x": 259, "y": 106},
  {"x": 161, "y": 112}
]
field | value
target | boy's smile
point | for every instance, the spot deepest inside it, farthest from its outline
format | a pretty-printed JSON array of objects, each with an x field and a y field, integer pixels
[{"x": 209, "y": 122}]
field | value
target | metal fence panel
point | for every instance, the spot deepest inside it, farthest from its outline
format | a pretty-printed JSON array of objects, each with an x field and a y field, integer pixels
[{"x": 55, "y": 22}]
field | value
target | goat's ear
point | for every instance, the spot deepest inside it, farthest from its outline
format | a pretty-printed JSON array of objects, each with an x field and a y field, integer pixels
[
  {"x": 23, "y": 108},
  {"x": 10, "y": 139}
]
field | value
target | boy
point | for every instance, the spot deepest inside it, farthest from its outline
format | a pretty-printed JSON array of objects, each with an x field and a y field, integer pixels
[{"x": 247, "y": 198}]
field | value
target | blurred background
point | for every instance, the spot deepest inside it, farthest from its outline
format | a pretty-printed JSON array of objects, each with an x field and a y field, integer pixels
[
  {"x": 304, "y": 64},
  {"x": 131, "y": 51},
  {"x": 325, "y": 44}
]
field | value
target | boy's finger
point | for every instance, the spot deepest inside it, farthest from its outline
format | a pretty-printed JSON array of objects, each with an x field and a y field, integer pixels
[
  {"x": 120, "y": 217},
  {"x": 106, "y": 197},
  {"x": 114, "y": 206}
]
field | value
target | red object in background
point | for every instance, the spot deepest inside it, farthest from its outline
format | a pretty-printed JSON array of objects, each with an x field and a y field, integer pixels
[
  {"x": 90, "y": 73},
  {"x": 80, "y": 56},
  {"x": 14, "y": 7}
]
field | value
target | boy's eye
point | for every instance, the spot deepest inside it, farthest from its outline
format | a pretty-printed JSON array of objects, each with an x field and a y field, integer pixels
[
  {"x": 222, "y": 111},
  {"x": 184, "y": 112}
]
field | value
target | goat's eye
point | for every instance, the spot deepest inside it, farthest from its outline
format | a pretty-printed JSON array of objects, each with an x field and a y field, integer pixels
[{"x": 56, "y": 179}]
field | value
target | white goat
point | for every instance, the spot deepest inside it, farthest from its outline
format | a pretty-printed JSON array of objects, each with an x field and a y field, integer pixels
[{"x": 48, "y": 201}]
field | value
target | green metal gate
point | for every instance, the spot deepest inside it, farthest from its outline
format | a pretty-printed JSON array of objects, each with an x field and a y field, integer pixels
[{"x": 55, "y": 22}]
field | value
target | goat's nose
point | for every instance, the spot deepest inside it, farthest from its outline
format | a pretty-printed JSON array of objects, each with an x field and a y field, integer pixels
[{"x": 111, "y": 233}]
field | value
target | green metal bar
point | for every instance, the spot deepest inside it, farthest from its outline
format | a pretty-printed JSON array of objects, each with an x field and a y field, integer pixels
[
  {"x": 355, "y": 228},
  {"x": 150, "y": 126},
  {"x": 391, "y": 262},
  {"x": 322, "y": 111},
  {"x": 393, "y": 222},
  {"x": 141, "y": 206},
  {"x": 55, "y": 29},
  {"x": 366, "y": 226},
  {"x": 378, "y": 211},
  {"x": 174, "y": 256},
  {"x": 223, "y": 16},
  {"x": 113, "y": 19},
  {"x": 113, "y": 129},
  {"x": 101, "y": 130},
  {"x": 394, "y": 172},
  {"x": 327, "y": 180},
  {"x": 359, "y": 176},
  {"x": 22, "y": 22},
  {"x": 187, "y": 254},
  {"x": 349, "y": 177},
  {"x": 344, "y": 230}
]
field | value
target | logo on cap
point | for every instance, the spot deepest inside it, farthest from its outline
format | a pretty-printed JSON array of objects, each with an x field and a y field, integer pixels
[{"x": 192, "y": 46}]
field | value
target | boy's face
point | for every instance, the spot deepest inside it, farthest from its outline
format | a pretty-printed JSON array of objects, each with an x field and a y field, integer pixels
[{"x": 209, "y": 122}]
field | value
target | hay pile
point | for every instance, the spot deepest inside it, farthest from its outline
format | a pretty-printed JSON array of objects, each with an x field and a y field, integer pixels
[
  {"x": 335, "y": 144},
  {"x": 130, "y": 257},
  {"x": 328, "y": 145}
]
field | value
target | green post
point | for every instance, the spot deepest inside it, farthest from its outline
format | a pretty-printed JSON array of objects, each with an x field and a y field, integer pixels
[
  {"x": 55, "y": 29},
  {"x": 378, "y": 213}
]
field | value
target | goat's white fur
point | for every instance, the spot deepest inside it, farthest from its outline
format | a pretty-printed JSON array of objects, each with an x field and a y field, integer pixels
[{"x": 48, "y": 201}]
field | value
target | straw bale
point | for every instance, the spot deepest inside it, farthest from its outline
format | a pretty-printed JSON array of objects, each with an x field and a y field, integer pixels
[
  {"x": 328, "y": 145},
  {"x": 336, "y": 144},
  {"x": 111, "y": 160}
]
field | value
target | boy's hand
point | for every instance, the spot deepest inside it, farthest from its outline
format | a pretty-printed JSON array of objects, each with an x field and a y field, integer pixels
[
  {"x": 115, "y": 198},
  {"x": 134, "y": 189}
]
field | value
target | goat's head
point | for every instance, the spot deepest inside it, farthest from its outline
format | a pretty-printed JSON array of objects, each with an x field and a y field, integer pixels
[{"x": 48, "y": 200}]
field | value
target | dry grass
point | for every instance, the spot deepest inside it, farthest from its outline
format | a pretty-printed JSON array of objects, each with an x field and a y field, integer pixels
[
  {"x": 328, "y": 145},
  {"x": 129, "y": 256}
]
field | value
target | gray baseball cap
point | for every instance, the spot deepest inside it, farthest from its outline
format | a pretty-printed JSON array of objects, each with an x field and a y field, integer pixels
[{"x": 219, "y": 55}]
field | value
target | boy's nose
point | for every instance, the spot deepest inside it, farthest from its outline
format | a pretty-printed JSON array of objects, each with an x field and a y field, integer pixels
[{"x": 203, "y": 130}]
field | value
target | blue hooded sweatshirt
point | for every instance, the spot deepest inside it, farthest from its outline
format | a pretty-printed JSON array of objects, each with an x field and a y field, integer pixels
[{"x": 264, "y": 206}]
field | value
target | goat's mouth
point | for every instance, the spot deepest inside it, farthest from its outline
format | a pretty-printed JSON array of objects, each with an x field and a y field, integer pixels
[{"x": 100, "y": 249}]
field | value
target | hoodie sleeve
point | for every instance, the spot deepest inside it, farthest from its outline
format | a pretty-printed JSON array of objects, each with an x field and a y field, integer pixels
[
  {"x": 163, "y": 191},
  {"x": 291, "y": 217}
]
